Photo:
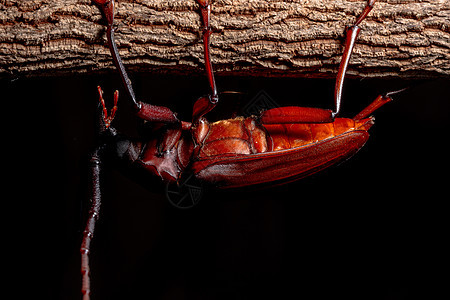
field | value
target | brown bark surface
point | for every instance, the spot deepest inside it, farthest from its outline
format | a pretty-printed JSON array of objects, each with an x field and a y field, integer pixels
[{"x": 400, "y": 38}]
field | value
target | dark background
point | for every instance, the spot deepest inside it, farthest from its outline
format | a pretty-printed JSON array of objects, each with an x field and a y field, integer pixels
[{"x": 373, "y": 227}]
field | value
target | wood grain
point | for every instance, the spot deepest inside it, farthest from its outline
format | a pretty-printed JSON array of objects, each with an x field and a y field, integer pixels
[{"x": 303, "y": 38}]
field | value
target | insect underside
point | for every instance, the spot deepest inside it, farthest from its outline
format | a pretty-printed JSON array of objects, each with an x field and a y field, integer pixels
[{"x": 276, "y": 146}]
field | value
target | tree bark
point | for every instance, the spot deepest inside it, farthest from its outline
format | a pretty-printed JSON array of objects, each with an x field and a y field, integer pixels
[{"x": 399, "y": 38}]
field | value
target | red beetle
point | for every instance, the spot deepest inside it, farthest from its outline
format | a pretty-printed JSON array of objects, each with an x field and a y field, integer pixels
[{"x": 277, "y": 146}]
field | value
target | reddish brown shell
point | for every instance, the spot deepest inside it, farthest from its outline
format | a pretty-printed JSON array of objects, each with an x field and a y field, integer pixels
[
  {"x": 229, "y": 156},
  {"x": 238, "y": 152}
]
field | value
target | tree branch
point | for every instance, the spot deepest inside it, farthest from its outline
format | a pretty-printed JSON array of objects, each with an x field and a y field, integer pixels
[{"x": 400, "y": 38}]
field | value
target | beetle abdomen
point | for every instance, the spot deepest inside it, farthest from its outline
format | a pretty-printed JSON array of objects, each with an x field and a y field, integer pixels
[
  {"x": 279, "y": 166},
  {"x": 233, "y": 136},
  {"x": 243, "y": 136},
  {"x": 287, "y": 136},
  {"x": 293, "y": 152}
]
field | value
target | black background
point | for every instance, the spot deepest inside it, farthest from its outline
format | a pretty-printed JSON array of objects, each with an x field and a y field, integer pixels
[{"x": 373, "y": 227}]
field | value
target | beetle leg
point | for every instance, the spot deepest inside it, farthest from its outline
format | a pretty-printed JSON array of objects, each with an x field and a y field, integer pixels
[
  {"x": 351, "y": 35},
  {"x": 314, "y": 115},
  {"x": 201, "y": 107},
  {"x": 107, "y": 8},
  {"x": 295, "y": 114},
  {"x": 88, "y": 233},
  {"x": 206, "y": 104},
  {"x": 145, "y": 111},
  {"x": 377, "y": 103},
  {"x": 205, "y": 7}
]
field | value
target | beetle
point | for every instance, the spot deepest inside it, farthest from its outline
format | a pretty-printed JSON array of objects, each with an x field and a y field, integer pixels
[{"x": 277, "y": 146}]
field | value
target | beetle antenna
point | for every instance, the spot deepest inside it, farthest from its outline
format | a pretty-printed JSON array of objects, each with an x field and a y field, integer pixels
[{"x": 88, "y": 234}]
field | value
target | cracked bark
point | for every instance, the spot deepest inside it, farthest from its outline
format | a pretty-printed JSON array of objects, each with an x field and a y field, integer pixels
[{"x": 400, "y": 38}]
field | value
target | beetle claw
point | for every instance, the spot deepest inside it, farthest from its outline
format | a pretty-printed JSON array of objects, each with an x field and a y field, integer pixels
[
  {"x": 107, "y": 119},
  {"x": 388, "y": 94}
]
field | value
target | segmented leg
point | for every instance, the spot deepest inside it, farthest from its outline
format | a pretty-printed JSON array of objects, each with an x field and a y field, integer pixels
[
  {"x": 376, "y": 104},
  {"x": 293, "y": 114},
  {"x": 351, "y": 35},
  {"x": 205, "y": 7},
  {"x": 206, "y": 104},
  {"x": 107, "y": 8},
  {"x": 88, "y": 233},
  {"x": 145, "y": 111}
]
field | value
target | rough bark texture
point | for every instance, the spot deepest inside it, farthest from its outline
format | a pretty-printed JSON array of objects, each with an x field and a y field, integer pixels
[{"x": 406, "y": 38}]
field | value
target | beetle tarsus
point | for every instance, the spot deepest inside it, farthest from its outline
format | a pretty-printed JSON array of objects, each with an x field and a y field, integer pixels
[{"x": 388, "y": 94}]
